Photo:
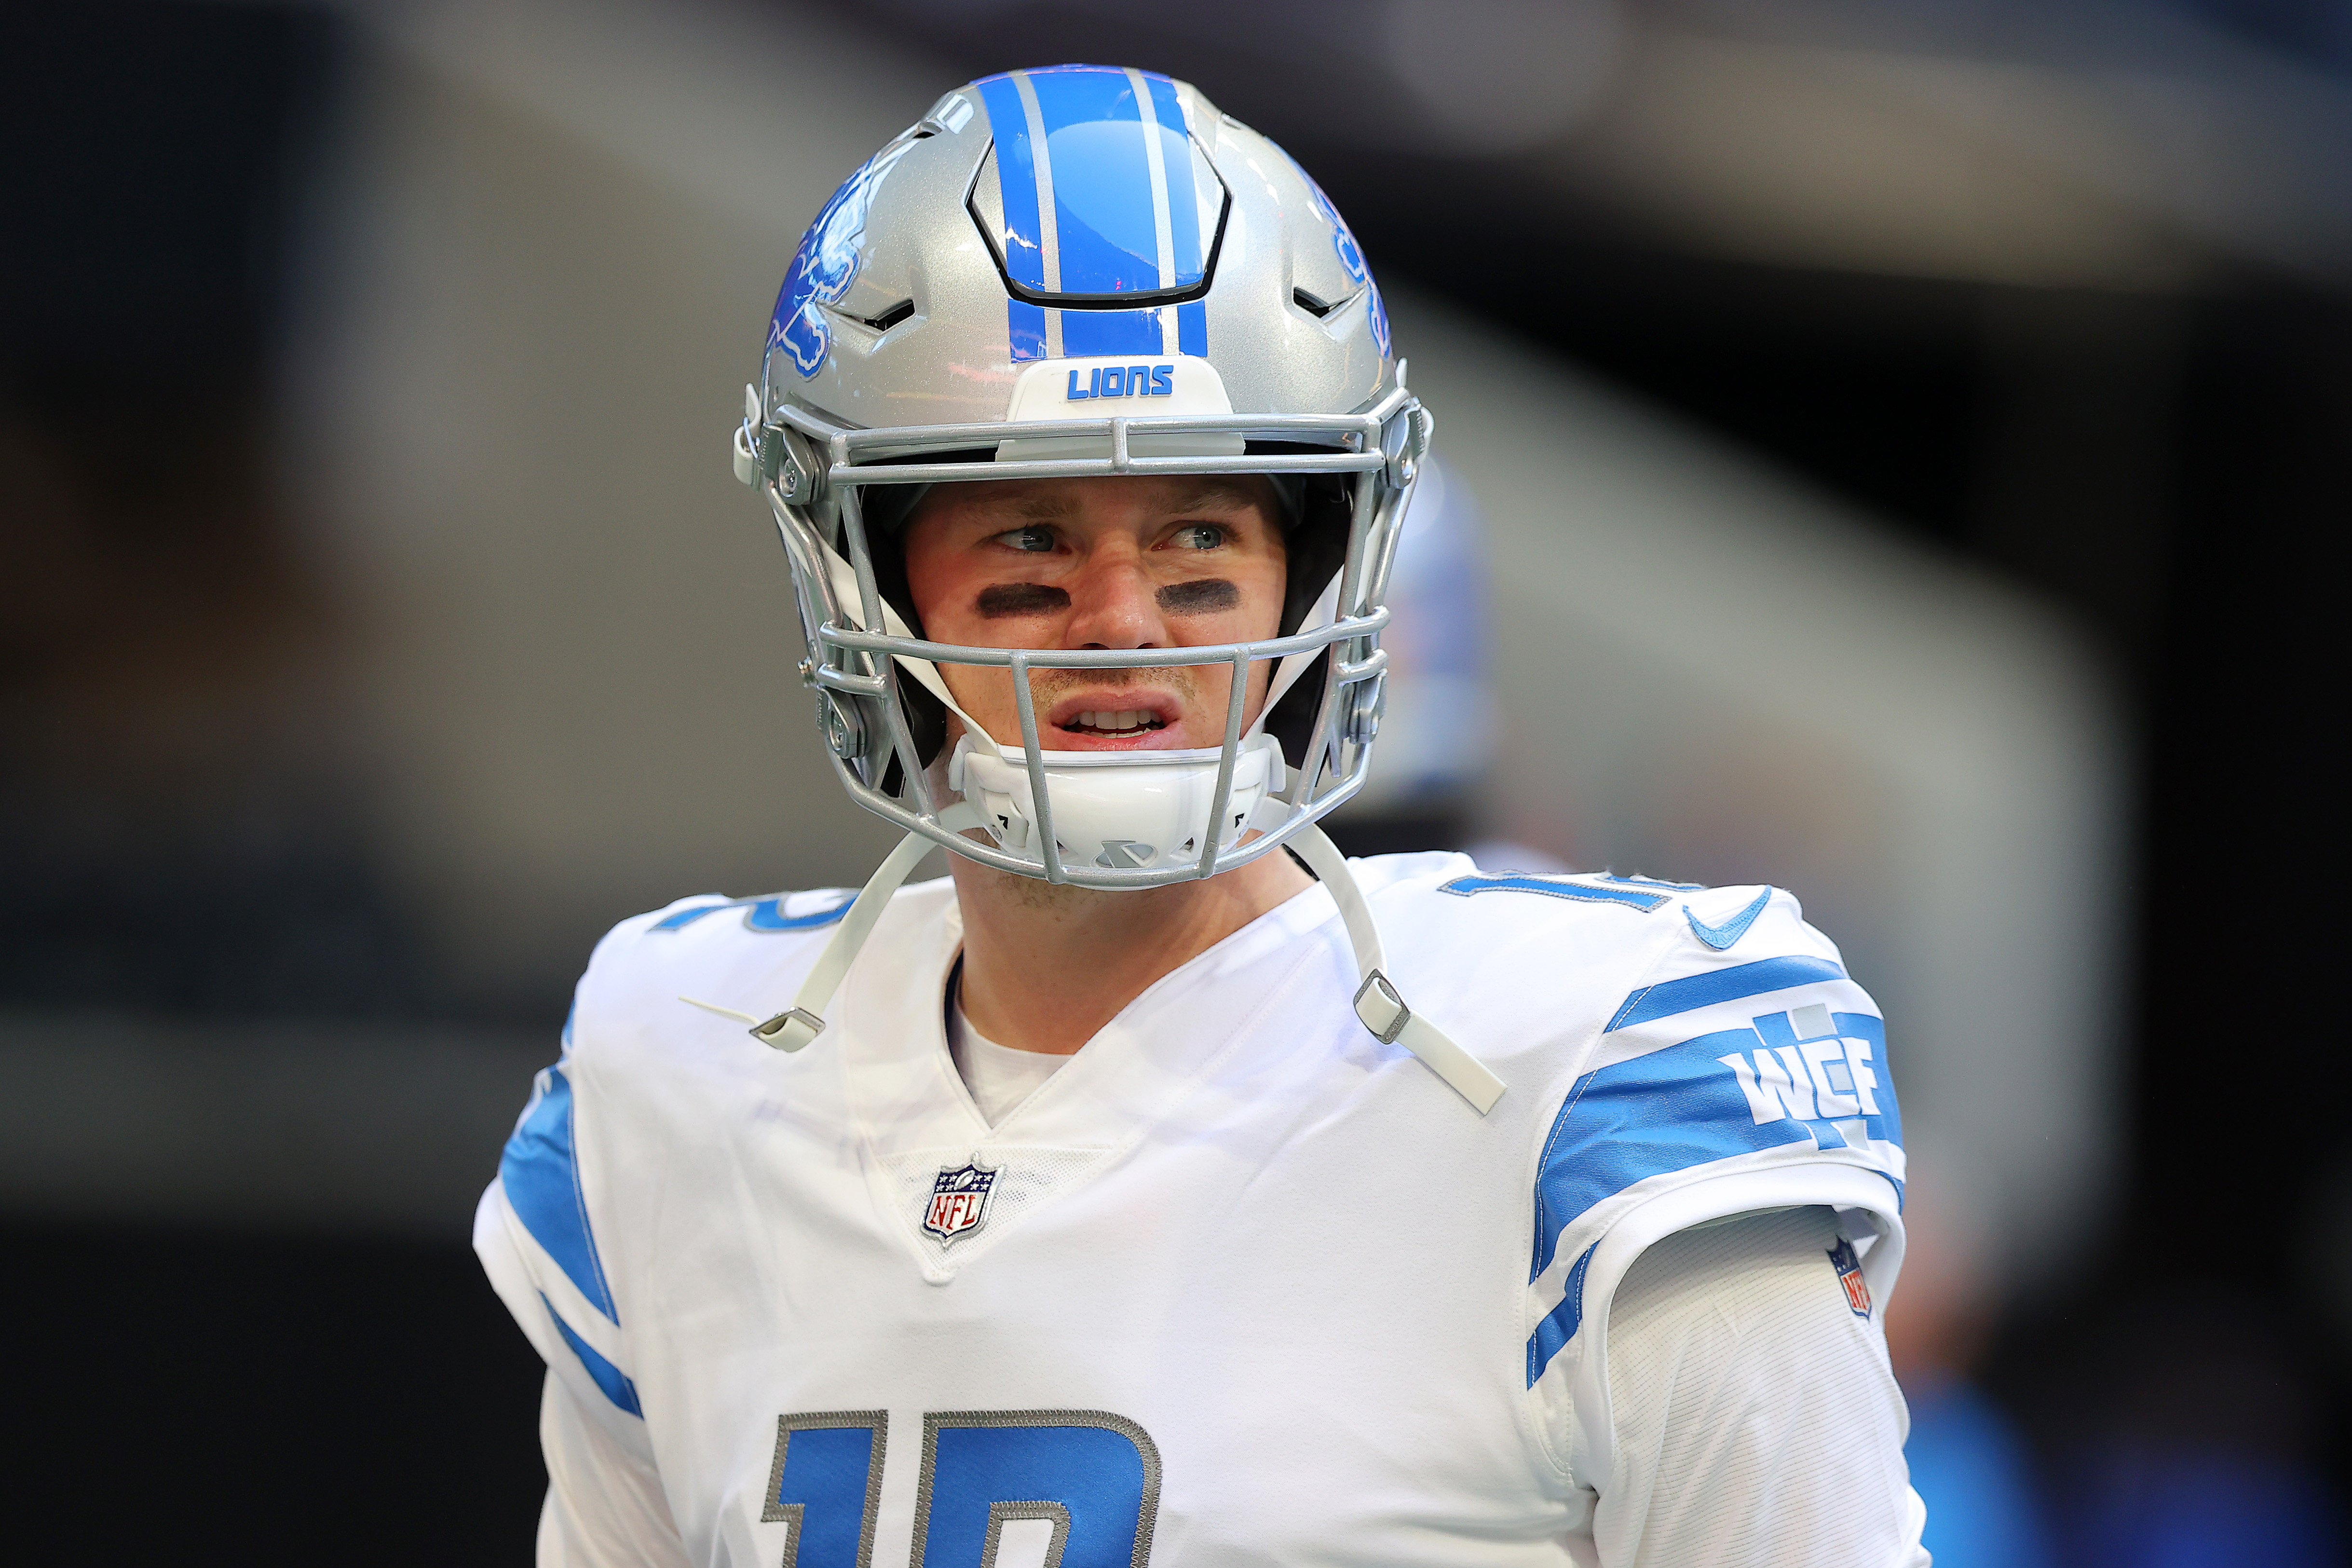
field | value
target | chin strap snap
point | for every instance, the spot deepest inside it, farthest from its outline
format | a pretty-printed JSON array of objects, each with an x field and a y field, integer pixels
[{"x": 1378, "y": 1002}]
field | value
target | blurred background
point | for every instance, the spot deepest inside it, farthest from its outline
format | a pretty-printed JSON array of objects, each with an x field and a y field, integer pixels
[{"x": 1885, "y": 450}]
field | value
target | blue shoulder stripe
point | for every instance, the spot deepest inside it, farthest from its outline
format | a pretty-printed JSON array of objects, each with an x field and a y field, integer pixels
[
  {"x": 681, "y": 919},
  {"x": 1552, "y": 887},
  {"x": 540, "y": 1173},
  {"x": 768, "y": 914},
  {"x": 610, "y": 1378},
  {"x": 759, "y": 914},
  {"x": 1668, "y": 997}
]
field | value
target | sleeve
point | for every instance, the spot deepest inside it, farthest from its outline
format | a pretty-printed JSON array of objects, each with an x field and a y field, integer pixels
[
  {"x": 1756, "y": 1421},
  {"x": 604, "y": 1507},
  {"x": 539, "y": 1245},
  {"x": 1744, "y": 1072},
  {"x": 538, "y": 1235}
]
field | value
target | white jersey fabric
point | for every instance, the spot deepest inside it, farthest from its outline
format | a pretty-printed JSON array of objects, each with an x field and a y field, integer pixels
[{"x": 1239, "y": 1284}]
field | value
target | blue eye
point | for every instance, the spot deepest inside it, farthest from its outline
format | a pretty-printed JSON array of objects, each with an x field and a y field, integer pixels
[
  {"x": 1200, "y": 536},
  {"x": 1030, "y": 539}
]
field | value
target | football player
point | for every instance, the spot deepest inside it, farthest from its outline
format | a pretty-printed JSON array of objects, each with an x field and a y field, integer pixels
[{"x": 1161, "y": 1186}]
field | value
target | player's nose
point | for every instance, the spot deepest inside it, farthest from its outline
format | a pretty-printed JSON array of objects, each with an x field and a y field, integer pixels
[{"x": 1113, "y": 602}]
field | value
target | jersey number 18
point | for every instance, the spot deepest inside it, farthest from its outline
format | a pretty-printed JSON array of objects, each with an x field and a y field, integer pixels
[{"x": 999, "y": 1488}]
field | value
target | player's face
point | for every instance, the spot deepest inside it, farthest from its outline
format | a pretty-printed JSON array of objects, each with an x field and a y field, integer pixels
[{"x": 1130, "y": 562}]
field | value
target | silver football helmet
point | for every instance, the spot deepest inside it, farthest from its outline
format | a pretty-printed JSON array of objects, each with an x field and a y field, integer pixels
[
  {"x": 1081, "y": 272},
  {"x": 1078, "y": 272}
]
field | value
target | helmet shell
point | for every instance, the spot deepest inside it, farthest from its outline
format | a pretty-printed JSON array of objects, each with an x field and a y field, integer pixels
[{"x": 931, "y": 280}]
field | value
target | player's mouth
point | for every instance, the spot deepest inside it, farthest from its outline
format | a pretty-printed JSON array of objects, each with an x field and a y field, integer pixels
[
  {"x": 1094, "y": 721},
  {"x": 1124, "y": 724}
]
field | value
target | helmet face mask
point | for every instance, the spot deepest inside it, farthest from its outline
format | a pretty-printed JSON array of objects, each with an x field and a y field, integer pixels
[{"x": 1084, "y": 272}]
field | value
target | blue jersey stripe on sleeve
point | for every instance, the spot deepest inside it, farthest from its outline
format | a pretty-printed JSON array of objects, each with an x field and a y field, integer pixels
[
  {"x": 1560, "y": 1324},
  {"x": 1722, "y": 1094},
  {"x": 610, "y": 1378},
  {"x": 540, "y": 1173},
  {"x": 1668, "y": 997},
  {"x": 1807, "y": 1078},
  {"x": 1668, "y": 1111}
]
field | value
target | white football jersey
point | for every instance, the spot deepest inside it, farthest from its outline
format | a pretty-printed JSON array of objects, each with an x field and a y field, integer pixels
[{"x": 1237, "y": 1284}]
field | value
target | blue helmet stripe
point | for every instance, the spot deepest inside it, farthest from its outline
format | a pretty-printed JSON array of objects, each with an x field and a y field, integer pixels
[
  {"x": 1016, "y": 175},
  {"x": 1193, "y": 328},
  {"x": 1101, "y": 194},
  {"x": 1155, "y": 162},
  {"x": 1101, "y": 181},
  {"x": 1114, "y": 333},
  {"x": 1186, "y": 243},
  {"x": 1025, "y": 324}
]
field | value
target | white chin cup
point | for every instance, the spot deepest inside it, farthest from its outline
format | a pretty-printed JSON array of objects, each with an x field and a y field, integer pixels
[{"x": 1124, "y": 809}]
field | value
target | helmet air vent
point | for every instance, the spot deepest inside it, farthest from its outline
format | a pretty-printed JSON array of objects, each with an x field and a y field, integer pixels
[
  {"x": 1315, "y": 306},
  {"x": 890, "y": 318}
]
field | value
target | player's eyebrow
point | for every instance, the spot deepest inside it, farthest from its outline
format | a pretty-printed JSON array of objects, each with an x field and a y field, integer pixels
[
  {"x": 1039, "y": 506},
  {"x": 1202, "y": 489}
]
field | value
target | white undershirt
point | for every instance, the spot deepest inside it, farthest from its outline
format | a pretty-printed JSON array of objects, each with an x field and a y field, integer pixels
[{"x": 999, "y": 1076}]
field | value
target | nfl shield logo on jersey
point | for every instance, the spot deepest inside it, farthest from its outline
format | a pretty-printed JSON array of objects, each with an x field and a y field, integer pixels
[
  {"x": 960, "y": 1201},
  {"x": 1849, "y": 1273}
]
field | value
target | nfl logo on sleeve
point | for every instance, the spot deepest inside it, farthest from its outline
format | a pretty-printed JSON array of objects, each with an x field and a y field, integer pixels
[
  {"x": 960, "y": 1201},
  {"x": 1849, "y": 1273}
]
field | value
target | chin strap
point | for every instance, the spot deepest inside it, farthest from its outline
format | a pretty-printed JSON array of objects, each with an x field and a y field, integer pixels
[
  {"x": 1321, "y": 613},
  {"x": 1378, "y": 1004},
  {"x": 1384, "y": 1010},
  {"x": 804, "y": 1020}
]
